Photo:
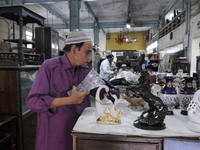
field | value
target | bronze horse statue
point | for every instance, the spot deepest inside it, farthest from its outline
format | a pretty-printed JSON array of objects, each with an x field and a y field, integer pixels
[{"x": 151, "y": 119}]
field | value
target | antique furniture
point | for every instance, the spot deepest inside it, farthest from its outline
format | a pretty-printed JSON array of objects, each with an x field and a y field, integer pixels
[
  {"x": 22, "y": 16},
  {"x": 89, "y": 135},
  {"x": 15, "y": 84},
  {"x": 181, "y": 63},
  {"x": 8, "y": 132},
  {"x": 51, "y": 42}
]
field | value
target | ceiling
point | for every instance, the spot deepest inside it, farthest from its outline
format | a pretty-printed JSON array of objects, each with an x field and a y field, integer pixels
[{"x": 143, "y": 13}]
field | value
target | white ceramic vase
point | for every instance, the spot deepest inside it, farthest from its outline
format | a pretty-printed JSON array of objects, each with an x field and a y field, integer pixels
[{"x": 194, "y": 114}]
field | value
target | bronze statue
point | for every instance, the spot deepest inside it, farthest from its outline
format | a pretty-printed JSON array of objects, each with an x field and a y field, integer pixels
[{"x": 151, "y": 119}]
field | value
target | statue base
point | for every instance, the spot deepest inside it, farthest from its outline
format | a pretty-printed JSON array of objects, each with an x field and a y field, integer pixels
[
  {"x": 140, "y": 125},
  {"x": 108, "y": 120}
]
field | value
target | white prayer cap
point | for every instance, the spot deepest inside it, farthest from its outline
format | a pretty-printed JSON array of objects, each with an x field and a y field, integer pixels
[
  {"x": 123, "y": 65},
  {"x": 77, "y": 36}
]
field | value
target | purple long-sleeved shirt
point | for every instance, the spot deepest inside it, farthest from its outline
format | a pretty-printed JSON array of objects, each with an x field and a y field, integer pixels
[{"x": 54, "y": 125}]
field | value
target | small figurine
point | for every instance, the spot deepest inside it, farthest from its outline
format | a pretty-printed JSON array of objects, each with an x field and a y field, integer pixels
[
  {"x": 108, "y": 114},
  {"x": 151, "y": 119}
]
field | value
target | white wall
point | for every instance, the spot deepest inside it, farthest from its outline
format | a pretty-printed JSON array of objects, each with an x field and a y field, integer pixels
[
  {"x": 178, "y": 36},
  {"x": 194, "y": 43}
]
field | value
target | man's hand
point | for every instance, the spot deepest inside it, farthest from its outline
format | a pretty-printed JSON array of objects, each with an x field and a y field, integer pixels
[
  {"x": 115, "y": 72},
  {"x": 74, "y": 98},
  {"x": 134, "y": 101},
  {"x": 77, "y": 97}
]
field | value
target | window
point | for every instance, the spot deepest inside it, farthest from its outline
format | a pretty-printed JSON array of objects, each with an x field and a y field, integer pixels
[{"x": 29, "y": 36}]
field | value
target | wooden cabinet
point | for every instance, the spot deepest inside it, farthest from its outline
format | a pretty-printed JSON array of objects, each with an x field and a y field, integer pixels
[
  {"x": 8, "y": 132},
  {"x": 184, "y": 65},
  {"x": 111, "y": 142},
  {"x": 15, "y": 84},
  {"x": 51, "y": 42}
]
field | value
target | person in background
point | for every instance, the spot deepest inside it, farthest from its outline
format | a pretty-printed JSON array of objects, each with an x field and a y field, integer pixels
[
  {"x": 123, "y": 67},
  {"x": 105, "y": 68},
  {"x": 58, "y": 111}
]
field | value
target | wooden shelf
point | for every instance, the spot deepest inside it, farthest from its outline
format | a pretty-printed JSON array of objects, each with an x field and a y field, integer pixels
[
  {"x": 7, "y": 130},
  {"x": 17, "y": 41}
]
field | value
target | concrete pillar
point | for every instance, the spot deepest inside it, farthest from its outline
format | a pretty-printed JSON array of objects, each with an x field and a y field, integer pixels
[
  {"x": 96, "y": 34},
  {"x": 74, "y": 7},
  {"x": 158, "y": 34},
  {"x": 187, "y": 27}
]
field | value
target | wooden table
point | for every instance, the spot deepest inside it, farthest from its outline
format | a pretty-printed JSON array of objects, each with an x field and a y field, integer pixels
[{"x": 89, "y": 135}]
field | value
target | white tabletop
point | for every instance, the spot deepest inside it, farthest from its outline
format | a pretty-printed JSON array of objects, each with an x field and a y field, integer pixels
[{"x": 176, "y": 125}]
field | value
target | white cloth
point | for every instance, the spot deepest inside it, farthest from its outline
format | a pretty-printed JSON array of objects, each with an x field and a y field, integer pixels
[{"x": 105, "y": 71}]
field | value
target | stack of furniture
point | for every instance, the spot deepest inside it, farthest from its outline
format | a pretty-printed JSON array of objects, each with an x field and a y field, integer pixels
[
  {"x": 22, "y": 16},
  {"x": 15, "y": 83}
]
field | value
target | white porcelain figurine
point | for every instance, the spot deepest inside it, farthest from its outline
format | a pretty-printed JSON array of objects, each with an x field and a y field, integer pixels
[{"x": 108, "y": 114}]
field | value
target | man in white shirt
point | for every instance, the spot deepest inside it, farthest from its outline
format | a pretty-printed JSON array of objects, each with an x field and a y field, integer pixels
[{"x": 105, "y": 71}]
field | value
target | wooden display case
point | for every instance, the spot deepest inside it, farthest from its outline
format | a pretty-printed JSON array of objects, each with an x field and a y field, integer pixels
[
  {"x": 22, "y": 16},
  {"x": 181, "y": 64},
  {"x": 15, "y": 84}
]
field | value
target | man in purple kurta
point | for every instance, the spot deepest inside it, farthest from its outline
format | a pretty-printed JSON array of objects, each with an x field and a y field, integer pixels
[{"x": 57, "y": 112}]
